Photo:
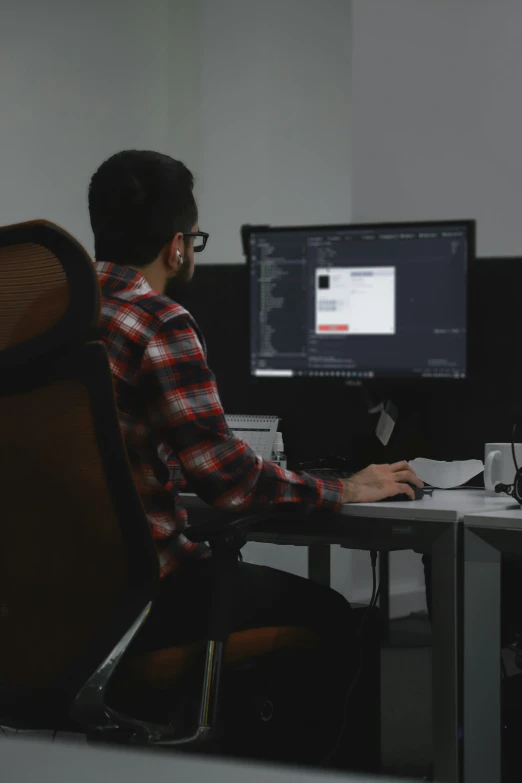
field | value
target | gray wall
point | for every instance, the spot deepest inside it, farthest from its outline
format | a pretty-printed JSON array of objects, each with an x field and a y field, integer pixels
[
  {"x": 437, "y": 116},
  {"x": 79, "y": 81},
  {"x": 275, "y": 116},
  {"x": 254, "y": 98}
]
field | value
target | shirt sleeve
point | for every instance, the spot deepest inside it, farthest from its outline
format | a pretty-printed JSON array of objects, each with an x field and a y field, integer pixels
[{"x": 184, "y": 408}]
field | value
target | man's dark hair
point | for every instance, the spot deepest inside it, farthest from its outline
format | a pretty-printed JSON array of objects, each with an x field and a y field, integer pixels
[{"x": 138, "y": 200}]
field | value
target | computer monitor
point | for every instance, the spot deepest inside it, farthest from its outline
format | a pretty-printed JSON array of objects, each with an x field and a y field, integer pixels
[{"x": 360, "y": 301}]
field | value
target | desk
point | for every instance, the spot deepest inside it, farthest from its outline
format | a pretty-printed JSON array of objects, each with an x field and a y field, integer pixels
[
  {"x": 486, "y": 537},
  {"x": 429, "y": 525},
  {"x": 25, "y": 759}
]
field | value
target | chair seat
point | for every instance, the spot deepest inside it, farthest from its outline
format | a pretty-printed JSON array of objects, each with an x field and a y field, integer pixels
[{"x": 163, "y": 668}]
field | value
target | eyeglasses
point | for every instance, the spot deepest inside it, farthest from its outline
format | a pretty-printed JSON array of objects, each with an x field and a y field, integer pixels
[{"x": 200, "y": 239}]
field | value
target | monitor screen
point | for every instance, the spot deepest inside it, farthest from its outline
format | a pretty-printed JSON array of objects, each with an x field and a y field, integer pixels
[{"x": 366, "y": 301}]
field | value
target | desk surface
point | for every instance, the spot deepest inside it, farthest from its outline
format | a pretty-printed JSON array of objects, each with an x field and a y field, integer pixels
[
  {"x": 504, "y": 519},
  {"x": 442, "y": 506}
]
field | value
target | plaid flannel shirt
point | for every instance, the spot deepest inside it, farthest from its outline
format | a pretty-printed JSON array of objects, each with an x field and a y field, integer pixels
[{"x": 173, "y": 422}]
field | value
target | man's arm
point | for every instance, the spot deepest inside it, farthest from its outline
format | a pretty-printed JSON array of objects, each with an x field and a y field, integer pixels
[{"x": 185, "y": 409}]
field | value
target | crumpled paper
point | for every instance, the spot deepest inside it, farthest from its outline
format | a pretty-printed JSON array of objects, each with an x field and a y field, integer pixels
[{"x": 446, "y": 475}]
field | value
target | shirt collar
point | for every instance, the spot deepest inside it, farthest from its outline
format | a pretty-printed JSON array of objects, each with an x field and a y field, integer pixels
[{"x": 115, "y": 277}]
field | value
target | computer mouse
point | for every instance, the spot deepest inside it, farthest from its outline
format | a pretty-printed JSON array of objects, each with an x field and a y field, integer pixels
[{"x": 402, "y": 498}]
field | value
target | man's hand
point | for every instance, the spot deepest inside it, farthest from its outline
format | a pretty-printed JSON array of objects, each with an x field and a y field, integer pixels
[{"x": 380, "y": 481}]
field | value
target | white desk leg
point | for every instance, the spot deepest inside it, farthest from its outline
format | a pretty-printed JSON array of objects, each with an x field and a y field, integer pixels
[
  {"x": 446, "y": 573},
  {"x": 319, "y": 564},
  {"x": 482, "y": 678}
]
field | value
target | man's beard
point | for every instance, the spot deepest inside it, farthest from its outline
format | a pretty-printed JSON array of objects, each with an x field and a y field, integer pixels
[{"x": 177, "y": 286}]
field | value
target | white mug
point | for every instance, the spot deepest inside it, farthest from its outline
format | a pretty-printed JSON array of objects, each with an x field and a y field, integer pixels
[{"x": 499, "y": 467}]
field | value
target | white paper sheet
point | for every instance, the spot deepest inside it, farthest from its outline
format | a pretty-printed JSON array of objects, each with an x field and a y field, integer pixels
[{"x": 446, "y": 475}]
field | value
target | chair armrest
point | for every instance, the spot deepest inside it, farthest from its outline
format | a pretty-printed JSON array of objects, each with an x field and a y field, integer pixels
[
  {"x": 226, "y": 534},
  {"x": 224, "y": 524}
]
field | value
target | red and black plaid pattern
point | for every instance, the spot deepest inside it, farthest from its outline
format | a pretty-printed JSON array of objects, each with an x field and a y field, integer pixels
[{"x": 173, "y": 421}]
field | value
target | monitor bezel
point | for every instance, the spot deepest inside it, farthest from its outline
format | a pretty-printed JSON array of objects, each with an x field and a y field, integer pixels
[{"x": 469, "y": 224}]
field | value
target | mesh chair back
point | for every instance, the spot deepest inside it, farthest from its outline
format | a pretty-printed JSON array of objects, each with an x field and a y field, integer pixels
[
  {"x": 48, "y": 294},
  {"x": 77, "y": 563}
]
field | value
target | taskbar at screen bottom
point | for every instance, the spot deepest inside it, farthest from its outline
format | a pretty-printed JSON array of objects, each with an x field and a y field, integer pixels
[{"x": 359, "y": 374}]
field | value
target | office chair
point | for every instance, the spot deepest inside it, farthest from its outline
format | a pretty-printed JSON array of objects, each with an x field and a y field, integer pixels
[{"x": 78, "y": 567}]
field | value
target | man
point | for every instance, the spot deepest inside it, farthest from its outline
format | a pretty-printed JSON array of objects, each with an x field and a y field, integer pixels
[{"x": 145, "y": 223}]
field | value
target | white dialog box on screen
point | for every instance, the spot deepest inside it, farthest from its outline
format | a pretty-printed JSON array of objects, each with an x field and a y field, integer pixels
[{"x": 355, "y": 300}]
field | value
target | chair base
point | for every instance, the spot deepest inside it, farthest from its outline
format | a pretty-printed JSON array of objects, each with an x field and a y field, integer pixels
[{"x": 201, "y": 739}]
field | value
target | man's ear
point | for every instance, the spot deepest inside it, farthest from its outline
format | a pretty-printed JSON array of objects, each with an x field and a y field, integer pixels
[{"x": 174, "y": 254}]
